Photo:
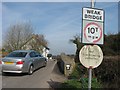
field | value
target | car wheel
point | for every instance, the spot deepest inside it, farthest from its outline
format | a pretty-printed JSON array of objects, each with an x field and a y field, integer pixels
[{"x": 31, "y": 70}]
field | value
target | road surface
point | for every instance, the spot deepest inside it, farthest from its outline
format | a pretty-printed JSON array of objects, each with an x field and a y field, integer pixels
[{"x": 39, "y": 79}]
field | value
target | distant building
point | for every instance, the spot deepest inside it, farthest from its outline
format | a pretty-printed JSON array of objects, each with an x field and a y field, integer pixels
[
  {"x": 42, "y": 49},
  {"x": 45, "y": 52},
  {"x": 27, "y": 46}
]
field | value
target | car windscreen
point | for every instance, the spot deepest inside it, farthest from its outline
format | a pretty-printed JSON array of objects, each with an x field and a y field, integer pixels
[{"x": 17, "y": 54}]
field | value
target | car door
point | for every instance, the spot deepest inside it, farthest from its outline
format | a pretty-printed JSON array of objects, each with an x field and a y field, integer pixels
[
  {"x": 34, "y": 59},
  {"x": 40, "y": 60}
]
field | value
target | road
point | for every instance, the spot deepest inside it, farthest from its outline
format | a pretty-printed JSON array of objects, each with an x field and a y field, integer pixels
[{"x": 39, "y": 79}]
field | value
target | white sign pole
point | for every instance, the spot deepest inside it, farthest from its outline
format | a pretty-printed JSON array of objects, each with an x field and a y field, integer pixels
[
  {"x": 90, "y": 78},
  {"x": 90, "y": 68},
  {"x": 92, "y": 3}
]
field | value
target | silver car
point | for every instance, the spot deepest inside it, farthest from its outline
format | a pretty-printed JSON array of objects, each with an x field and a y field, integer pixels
[{"x": 23, "y": 61}]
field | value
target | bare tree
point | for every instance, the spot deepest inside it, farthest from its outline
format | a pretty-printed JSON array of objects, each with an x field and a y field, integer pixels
[
  {"x": 20, "y": 36},
  {"x": 17, "y": 35}
]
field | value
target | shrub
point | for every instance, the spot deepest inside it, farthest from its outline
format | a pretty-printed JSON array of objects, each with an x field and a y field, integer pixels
[
  {"x": 108, "y": 72},
  {"x": 71, "y": 84},
  {"x": 76, "y": 81},
  {"x": 82, "y": 83},
  {"x": 78, "y": 72},
  {"x": 95, "y": 83}
]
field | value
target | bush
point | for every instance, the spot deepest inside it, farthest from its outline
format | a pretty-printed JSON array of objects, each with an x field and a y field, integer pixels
[
  {"x": 108, "y": 72},
  {"x": 71, "y": 84},
  {"x": 78, "y": 72},
  {"x": 82, "y": 83},
  {"x": 76, "y": 81},
  {"x": 95, "y": 83},
  {"x": 75, "y": 74},
  {"x": 111, "y": 44}
]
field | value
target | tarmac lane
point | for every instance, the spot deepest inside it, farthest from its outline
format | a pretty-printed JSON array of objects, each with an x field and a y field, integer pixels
[{"x": 37, "y": 80}]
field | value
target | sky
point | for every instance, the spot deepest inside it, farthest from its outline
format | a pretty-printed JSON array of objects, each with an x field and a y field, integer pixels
[{"x": 57, "y": 21}]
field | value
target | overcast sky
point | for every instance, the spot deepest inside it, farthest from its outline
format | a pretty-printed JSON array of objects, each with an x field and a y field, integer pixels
[{"x": 57, "y": 21}]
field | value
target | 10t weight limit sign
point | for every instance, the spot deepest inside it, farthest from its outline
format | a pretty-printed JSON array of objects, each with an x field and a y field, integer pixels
[{"x": 93, "y": 32}]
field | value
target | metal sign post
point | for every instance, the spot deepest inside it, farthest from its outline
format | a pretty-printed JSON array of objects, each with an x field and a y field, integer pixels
[
  {"x": 90, "y": 68},
  {"x": 90, "y": 78},
  {"x": 91, "y": 56},
  {"x": 92, "y": 3}
]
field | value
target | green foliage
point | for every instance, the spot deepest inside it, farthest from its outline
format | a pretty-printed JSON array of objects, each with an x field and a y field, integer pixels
[
  {"x": 3, "y": 50},
  {"x": 78, "y": 72},
  {"x": 108, "y": 72},
  {"x": 75, "y": 74},
  {"x": 77, "y": 79},
  {"x": 110, "y": 46},
  {"x": 94, "y": 84},
  {"x": 82, "y": 83},
  {"x": 71, "y": 84}
]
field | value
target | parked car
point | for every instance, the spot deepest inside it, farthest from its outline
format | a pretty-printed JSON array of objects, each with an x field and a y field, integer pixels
[{"x": 23, "y": 61}]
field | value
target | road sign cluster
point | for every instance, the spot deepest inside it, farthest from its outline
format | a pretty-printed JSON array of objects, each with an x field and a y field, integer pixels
[
  {"x": 91, "y": 56},
  {"x": 92, "y": 27}
]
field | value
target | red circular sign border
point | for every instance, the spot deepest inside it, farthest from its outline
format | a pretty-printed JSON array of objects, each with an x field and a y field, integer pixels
[{"x": 97, "y": 26}]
